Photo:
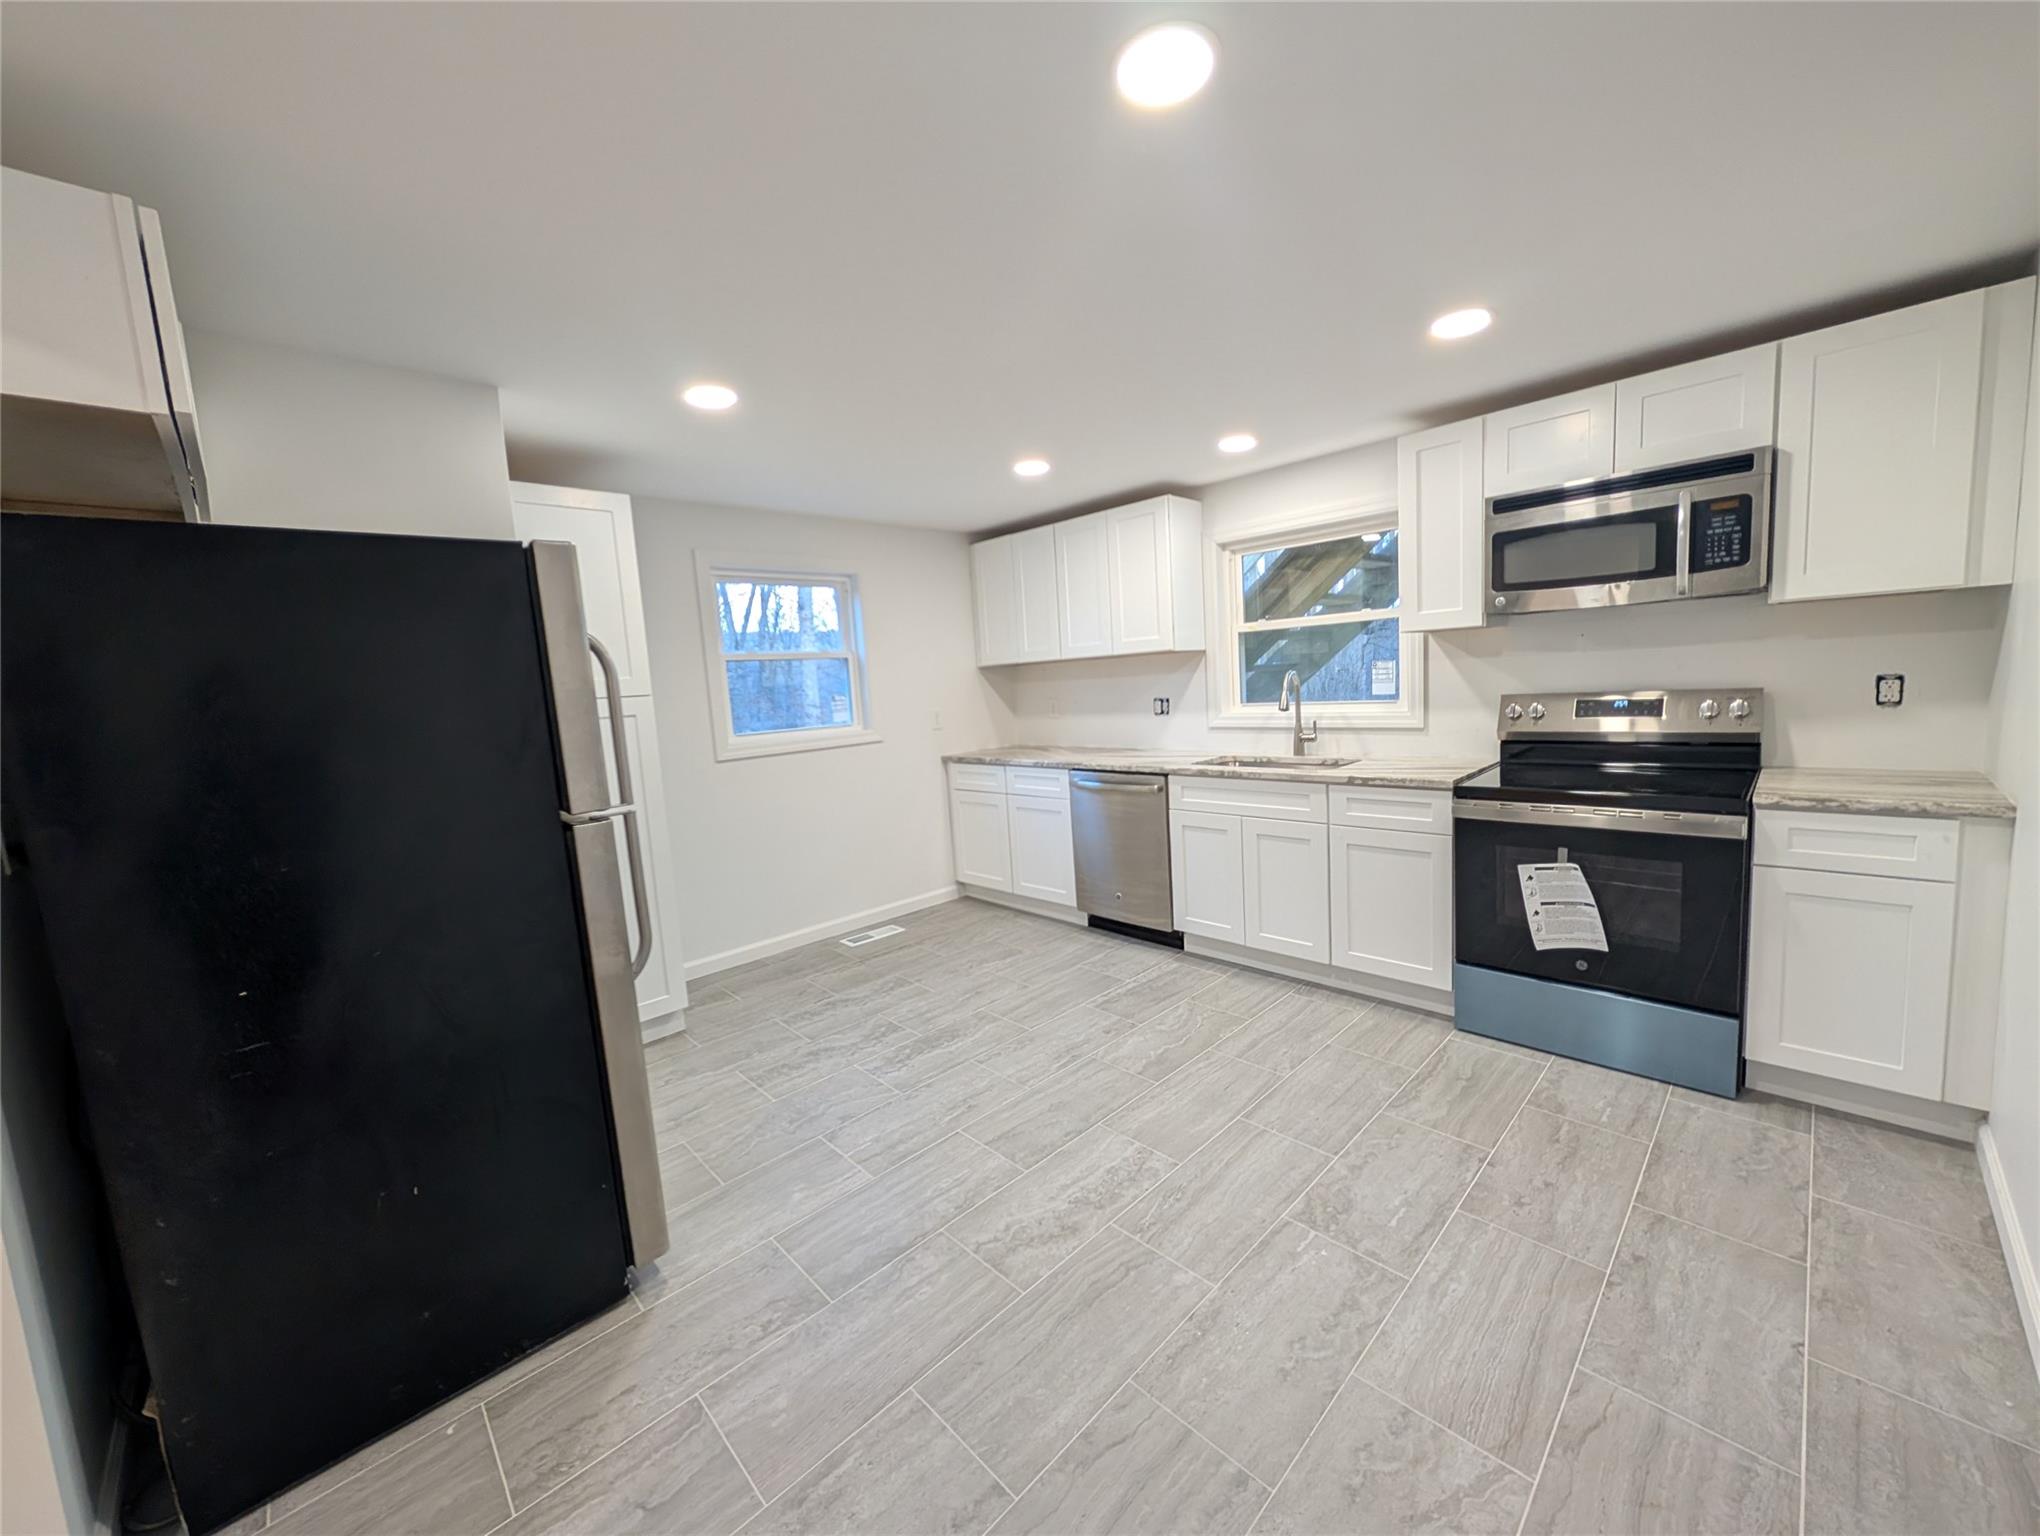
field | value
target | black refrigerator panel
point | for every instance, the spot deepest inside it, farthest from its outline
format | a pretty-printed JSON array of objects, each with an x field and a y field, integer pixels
[{"x": 289, "y": 801}]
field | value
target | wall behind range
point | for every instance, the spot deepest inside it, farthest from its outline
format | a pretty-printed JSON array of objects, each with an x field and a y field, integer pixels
[
  {"x": 1817, "y": 660},
  {"x": 770, "y": 847}
]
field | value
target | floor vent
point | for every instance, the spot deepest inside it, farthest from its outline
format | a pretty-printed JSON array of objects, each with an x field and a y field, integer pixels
[{"x": 856, "y": 939}]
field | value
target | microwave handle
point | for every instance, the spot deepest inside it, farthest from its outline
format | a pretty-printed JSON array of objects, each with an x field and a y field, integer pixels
[{"x": 1684, "y": 559}]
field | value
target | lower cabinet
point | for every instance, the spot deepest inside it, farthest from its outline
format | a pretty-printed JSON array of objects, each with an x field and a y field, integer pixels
[
  {"x": 983, "y": 848},
  {"x": 662, "y": 984},
  {"x": 1392, "y": 905},
  {"x": 1206, "y": 877},
  {"x": 1010, "y": 831},
  {"x": 1044, "y": 854},
  {"x": 1285, "y": 909}
]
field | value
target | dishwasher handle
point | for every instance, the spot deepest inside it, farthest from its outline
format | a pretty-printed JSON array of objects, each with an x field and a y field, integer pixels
[{"x": 1125, "y": 786}]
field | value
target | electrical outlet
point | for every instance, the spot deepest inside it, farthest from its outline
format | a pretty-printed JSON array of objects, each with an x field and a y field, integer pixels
[
  {"x": 1161, "y": 706},
  {"x": 1890, "y": 689}
]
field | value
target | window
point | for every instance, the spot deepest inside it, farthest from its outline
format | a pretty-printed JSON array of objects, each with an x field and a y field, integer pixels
[
  {"x": 785, "y": 660},
  {"x": 1320, "y": 600}
]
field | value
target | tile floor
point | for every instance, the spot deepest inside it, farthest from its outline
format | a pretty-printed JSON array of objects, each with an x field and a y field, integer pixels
[{"x": 1002, "y": 1225}]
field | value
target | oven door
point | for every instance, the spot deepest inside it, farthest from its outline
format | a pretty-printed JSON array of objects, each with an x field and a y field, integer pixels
[{"x": 1670, "y": 890}]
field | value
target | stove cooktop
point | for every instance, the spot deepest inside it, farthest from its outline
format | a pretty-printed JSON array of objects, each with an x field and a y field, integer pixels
[{"x": 1719, "y": 789}]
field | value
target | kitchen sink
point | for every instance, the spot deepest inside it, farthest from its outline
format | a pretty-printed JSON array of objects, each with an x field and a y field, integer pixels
[{"x": 1276, "y": 762}]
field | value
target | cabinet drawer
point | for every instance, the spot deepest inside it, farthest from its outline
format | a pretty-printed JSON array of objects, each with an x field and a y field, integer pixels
[
  {"x": 1041, "y": 783},
  {"x": 1391, "y": 810},
  {"x": 1248, "y": 797},
  {"x": 1911, "y": 847},
  {"x": 986, "y": 776}
]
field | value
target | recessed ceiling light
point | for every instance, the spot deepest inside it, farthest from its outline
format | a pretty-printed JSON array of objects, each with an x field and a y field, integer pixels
[
  {"x": 1165, "y": 65},
  {"x": 1238, "y": 442},
  {"x": 1029, "y": 469},
  {"x": 709, "y": 397},
  {"x": 1460, "y": 323}
]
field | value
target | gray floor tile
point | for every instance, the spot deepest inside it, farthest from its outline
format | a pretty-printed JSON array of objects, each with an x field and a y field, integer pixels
[
  {"x": 746, "y": 1211},
  {"x": 735, "y": 1050},
  {"x": 1876, "y": 1462},
  {"x": 1740, "y": 1177},
  {"x": 1136, "y": 1471},
  {"x": 1043, "y": 1051},
  {"x": 792, "y": 1067},
  {"x": 1053, "y": 1209},
  {"x": 789, "y": 1406},
  {"x": 1615, "y": 1101},
  {"x": 1030, "y": 1127},
  {"x": 903, "y": 1474},
  {"x": 684, "y": 1177},
  {"x": 1400, "y": 1035},
  {"x": 1329, "y": 1098},
  {"x": 1196, "y": 1104},
  {"x": 1391, "y": 1192},
  {"x": 922, "y": 1116},
  {"x": 1244, "y": 992},
  {"x": 1467, "y": 1091},
  {"x": 675, "y": 1476},
  {"x": 957, "y": 991},
  {"x": 733, "y": 1141},
  {"x": 1020, "y": 1389},
  {"x": 713, "y": 1013},
  {"x": 1165, "y": 1042},
  {"x": 846, "y": 1019},
  {"x": 678, "y": 1100},
  {"x": 552, "y": 1424},
  {"x": 1623, "y": 1466},
  {"x": 1929, "y": 1316},
  {"x": 1282, "y": 1035},
  {"x": 1752, "y": 1104},
  {"x": 1063, "y": 988},
  {"x": 1374, "y": 1466},
  {"x": 1485, "y": 1338},
  {"x": 1157, "y": 990},
  {"x": 1708, "y": 1327},
  {"x": 1565, "y": 1184},
  {"x": 861, "y": 1232},
  {"x": 1921, "y": 1179},
  {"x": 1255, "y": 1367},
  {"x": 909, "y": 1062},
  {"x": 1211, "y": 1211},
  {"x": 445, "y": 1484}
]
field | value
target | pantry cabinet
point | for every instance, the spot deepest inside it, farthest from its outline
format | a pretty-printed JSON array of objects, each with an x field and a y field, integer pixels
[
  {"x": 1719, "y": 405},
  {"x": 1441, "y": 549},
  {"x": 1549, "y": 442},
  {"x": 1013, "y": 580}
]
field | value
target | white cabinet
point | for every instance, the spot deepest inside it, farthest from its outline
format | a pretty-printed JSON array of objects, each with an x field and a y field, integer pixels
[
  {"x": 1899, "y": 442},
  {"x": 1442, "y": 552},
  {"x": 1115, "y": 583},
  {"x": 598, "y": 524},
  {"x": 1011, "y": 831},
  {"x": 1013, "y": 579},
  {"x": 1084, "y": 586},
  {"x": 661, "y": 985},
  {"x": 1206, "y": 877},
  {"x": 1154, "y": 564},
  {"x": 1549, "y": 442},
  {"x": 1044, "y": 852},
  {"x": 1392, "y": 904},
  {"x": 1285, "y": 907},
  {"x": 982, "y": 846},
  {"x": 996, "y": 594},
  {"x": 1716, "y": 406}
]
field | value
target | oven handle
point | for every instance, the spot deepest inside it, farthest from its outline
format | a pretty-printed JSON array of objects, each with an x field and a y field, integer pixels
[{"x": 1602, "y": 819}]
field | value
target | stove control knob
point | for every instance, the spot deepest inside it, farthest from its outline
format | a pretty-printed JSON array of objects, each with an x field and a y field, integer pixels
[
  {"x": 1536, "y": 711},
  {"x": 1514, "y": 712},
  {"x": 1709, "y": 708},
  {"x": 1740, "y": 708}
]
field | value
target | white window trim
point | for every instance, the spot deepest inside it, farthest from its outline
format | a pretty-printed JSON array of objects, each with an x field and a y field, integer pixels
[
  {"x": 728, "y": 745},
  {"x": 1223, "y": 652}
]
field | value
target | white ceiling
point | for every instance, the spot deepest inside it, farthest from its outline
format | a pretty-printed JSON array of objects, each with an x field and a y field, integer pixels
[{"x": 924, "y": 240}]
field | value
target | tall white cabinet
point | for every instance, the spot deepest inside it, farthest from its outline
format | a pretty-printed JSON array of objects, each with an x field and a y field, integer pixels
[{"x": 598, "y": 524}]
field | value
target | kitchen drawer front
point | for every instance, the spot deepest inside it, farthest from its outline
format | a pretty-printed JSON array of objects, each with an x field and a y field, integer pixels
[
  {"x": 1041, "y": 783},
  {"x": 1248, "y": 797},
  {"x": 1910, "y": 847},
  {"x": 989, "y": 777},
  {"x": 1391, "y": 810}
]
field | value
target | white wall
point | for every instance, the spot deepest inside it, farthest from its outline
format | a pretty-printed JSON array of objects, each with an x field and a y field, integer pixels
[
  {"x": 302, "y": 440},
  {"x": 1816, "y": 660},
  {"x": 772, "y": 846}
]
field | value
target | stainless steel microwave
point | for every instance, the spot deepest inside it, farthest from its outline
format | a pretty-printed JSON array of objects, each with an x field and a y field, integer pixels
[{"x": 1687, "y": 530}]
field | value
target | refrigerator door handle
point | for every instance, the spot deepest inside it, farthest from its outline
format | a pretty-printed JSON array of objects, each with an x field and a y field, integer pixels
[{"x": 626, "y": 808}]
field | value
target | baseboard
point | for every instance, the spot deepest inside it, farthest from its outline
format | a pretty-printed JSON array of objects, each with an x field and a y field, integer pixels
[
  {"x": 764, "y": 949},
  {"x": 2018, "y": 1257},
  {"x": 1377, "y": 988}
]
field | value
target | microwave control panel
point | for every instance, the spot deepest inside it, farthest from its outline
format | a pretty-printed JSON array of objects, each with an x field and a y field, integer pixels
[{"x": 1720, "y": 536}]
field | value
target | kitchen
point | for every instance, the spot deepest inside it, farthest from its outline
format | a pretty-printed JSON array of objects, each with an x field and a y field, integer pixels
[{"x": 1292, "y": 929}]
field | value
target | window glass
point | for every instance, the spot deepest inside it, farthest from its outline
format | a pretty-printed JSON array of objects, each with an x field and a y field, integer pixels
[
  {"x": 1337, "y": 663},
  {"x": 777, "y": 616},
  {"x": 802, "y": 695},
  {"x": 1355, "y": 574}
]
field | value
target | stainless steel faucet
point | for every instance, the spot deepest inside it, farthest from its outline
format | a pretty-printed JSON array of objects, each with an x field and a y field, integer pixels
[{"x": 1303, "y": 735}]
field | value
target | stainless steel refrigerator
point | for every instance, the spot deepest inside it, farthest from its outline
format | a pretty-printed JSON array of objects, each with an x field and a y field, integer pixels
[{"x": 327, "y": 857}]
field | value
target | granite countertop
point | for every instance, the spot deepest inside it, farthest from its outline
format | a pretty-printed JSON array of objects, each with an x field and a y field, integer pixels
[
  {"x": 1381, "y": 773},
  {"x": 1882, "y": 792}
]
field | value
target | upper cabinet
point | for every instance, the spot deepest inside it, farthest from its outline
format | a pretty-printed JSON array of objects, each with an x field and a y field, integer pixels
[
  {"x": 598, "y": 525},
  {"x": 1083, "y": 583},
  {"x": 1438, "y": 494},
  {"x": 1549, "y": 442},
  {"x": 1899, "y": 440},
  {"x": 95, "y": 391},
  {"x": 1154, "y": 567},
  {"x": 1719, "y": 405},
  {"x": 1013, "y": 581}
]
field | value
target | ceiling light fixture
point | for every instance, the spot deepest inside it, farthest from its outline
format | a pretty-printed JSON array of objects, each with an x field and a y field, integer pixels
[
  {"x": 1165, "y": 65},
  {"x": 1461, "y": 323},
  {"x": 1030, "y": 469},
  {"x": 1238, "y": 442},
  {"x": 709, "y": 397}
]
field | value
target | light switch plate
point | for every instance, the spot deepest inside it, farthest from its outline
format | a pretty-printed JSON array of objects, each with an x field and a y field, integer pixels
[{"x": 1890, "y": 689}]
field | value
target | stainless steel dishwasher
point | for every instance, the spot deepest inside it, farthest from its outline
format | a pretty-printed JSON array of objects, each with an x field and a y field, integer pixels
[{"x": 1120, "y": 822}]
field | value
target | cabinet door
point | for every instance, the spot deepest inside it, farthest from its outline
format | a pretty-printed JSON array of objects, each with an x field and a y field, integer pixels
[
  {"x": 1443, "y": 548},
  {"x": 599, "y": 527},
  {"x": 1044, "y": 863},
  {"x": 1083, "y": 586},
  {"x": 995, "y": 588},
  {"x": 1876, "y": 452},
  {"x": 662, "y": 984},
  {"x": 1392, "y": 905},
  {"x": 1137, "y": 556},
  {"x": 1038, "y": 626},
  {"x": 977, "y": 827},
  {"x": 1287, "y": 887},
  {"x": 1550, "y": 442},
  {"x": 1849, "y": 976},
  {"x": 1205, "y": 880},
  {"x": 1697, "y": 410}
]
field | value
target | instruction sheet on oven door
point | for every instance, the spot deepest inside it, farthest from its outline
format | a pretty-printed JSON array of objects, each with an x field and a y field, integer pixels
[{"x": 1561, "y": 907}]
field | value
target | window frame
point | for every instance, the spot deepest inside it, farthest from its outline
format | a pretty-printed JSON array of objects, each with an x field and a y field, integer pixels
[
  {"x": 732, "y": 747},
  {"x": 1316, "y": 526}
]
